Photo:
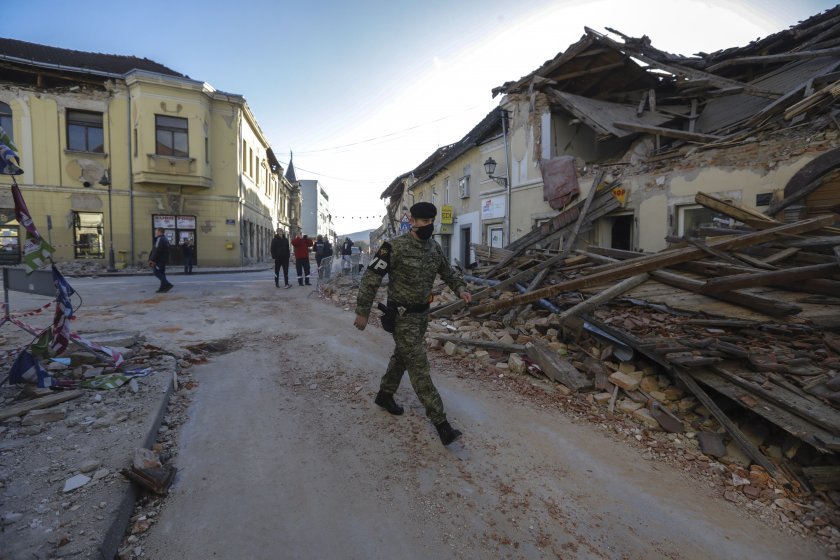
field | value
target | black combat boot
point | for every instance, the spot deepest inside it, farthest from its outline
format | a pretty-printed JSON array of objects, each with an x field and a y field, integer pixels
[
  {"x": 447, "y": 433},
  {"x": 386, "y": 401},
  {"x": 276, "y": 281}
]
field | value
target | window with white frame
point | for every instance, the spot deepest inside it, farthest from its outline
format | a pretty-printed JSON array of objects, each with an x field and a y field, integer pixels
[
  {"x": 692, "y": 216},
  {"x": 6, "y": 119},
  {"x": 446, "y": 191},
  {"x": 84, "y": 132},
  {"x": 87, "y": 235},
  {"x": 171, "y": 136},
  {"x": 496, "y": 236}
]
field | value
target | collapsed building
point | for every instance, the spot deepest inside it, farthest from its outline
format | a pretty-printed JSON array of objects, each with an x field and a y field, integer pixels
[{"x": 663, "y": 233}]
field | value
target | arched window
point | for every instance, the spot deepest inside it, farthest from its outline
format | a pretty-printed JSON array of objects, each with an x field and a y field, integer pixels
[{"x": 6, "y": 119}]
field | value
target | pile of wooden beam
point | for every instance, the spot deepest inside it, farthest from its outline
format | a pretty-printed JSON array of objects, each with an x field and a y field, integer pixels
[{"x": 742, "y": 319}]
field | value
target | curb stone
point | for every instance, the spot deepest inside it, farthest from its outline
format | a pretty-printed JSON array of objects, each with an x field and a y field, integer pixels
[{"x": 114, "y": 535}]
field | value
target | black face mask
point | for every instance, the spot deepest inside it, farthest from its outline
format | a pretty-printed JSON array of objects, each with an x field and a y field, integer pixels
[{"x": 425, "y": 232}]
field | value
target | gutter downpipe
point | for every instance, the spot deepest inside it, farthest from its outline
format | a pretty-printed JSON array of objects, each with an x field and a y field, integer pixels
[
  {"x": 507, "y": 172},
  {"x": 130, "y": 179}
]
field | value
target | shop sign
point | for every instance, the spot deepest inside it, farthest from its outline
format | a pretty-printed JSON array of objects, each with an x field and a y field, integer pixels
[
  {"x": 230, "y": 222},
  {"x": 445, "y": 229},
  {"x": 163, "y": 221},
  {"x": 186, "y": 222},
  {"x": 405, "y": 226},
  {"x": 620, "y": 194},
  {"x": 446, "y": 214},
  {"x": 493, "y": 207}
]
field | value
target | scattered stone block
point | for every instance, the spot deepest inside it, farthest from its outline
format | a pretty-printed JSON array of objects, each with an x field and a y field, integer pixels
[
  {"x": 43, "y": 416},
  {"x": 673, "y": 393},
  {"x": 649, "y": 384},
  {"x": 628, "y": 406},
  {"x": 75, "y": 482},
  {"x": 624, "y": 381},
  {"x": 658, "y": 395},
  {"x": 482, "y": 356},
  {"x": 711, "y": 443},
  {"x": 516, "y": 364},
  {"x": 643, "y": 415},
  {"x": 88, "y": 465},
  {"x": 626, "y": 367},
  {"x": 602, "y": 398},
  {"x": 449, "y": 348}
]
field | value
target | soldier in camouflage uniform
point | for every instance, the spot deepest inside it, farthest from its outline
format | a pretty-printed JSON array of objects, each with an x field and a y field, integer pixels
[{"x": 411, "y": 261}]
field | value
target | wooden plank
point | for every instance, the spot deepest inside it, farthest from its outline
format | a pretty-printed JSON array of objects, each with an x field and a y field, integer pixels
[
  {"x": 589, "y": 198},
  {"x": 823, "y": 478},
  {"x": 648, "y": 263},
  {"x": 667, "y": 132},
  {"x": 733, "y": 430},
  {"x": 769, "y": 278},
  {"x": 781, "y": 255},
  {"x": 806, "y": 408},
  {"x": 603, "y": 297},
  {"x": 509, "y": 348},
  {"x": 749, "y": 216},
  {"x": 44, "y": 402},
  {"x": 557, "y": 368}
]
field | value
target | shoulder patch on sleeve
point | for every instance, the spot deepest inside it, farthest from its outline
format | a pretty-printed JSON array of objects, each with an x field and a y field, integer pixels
[{"x": 381, "y": 262}]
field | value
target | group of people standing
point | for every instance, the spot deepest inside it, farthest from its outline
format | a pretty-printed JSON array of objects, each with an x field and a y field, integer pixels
[{"x": 302, "y": 245}]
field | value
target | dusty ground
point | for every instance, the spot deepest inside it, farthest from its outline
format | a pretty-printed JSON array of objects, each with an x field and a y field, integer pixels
[{"x": 283, "y": 454}]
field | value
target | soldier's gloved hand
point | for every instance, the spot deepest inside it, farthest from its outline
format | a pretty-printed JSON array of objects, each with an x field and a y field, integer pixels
[
  {"x": 360, "y": 322},
  {"x": 466, "y": 296}
]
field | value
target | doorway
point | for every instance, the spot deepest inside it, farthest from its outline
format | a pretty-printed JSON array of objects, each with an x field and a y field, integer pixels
[
  {"x": 621, "y": 233},
  {"x": 466, "y": 240}
]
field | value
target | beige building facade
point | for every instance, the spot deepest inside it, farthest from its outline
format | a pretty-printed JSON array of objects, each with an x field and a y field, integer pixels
[{"x": 113, "y": 147}]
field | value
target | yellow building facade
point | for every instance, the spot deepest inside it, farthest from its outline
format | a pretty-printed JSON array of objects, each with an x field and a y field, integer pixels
[{"x": 116, "y": 148}]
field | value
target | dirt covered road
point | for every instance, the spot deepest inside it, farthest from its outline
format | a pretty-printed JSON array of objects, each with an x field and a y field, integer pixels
[{"x": 284, "y": 454}]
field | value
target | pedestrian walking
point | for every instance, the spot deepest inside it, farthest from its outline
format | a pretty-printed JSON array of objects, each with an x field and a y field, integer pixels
[
  {"x": 327, "y": 260},
  {"x": 322, "y": 246},
  {"x": 411, "y": 261},
  {"x": 346, "y": 251},
  {"x": 280, "y": 253},
  {"x": 302, "y": 246},
  {"x": 188, "y": 254},
  {"x": 158, "y": 259}
]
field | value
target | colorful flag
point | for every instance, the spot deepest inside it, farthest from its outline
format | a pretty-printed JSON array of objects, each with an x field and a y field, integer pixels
[
  {"x": 60, "y": 332},
  {"x": 27, "y": 369},
  {"x": 36, "y": 250},
  {"x": 63, "y": 292},
  {"x": 6, "y": 140},
  {"x": 9, "y": 160},
  {"x": 40, "y": 348}
]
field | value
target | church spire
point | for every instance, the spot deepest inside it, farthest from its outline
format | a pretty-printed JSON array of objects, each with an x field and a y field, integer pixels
[{"x": 290, "y": 172}]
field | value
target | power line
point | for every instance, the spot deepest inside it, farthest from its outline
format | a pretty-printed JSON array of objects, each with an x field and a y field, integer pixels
[
  {"x": 390, "y": 134},
  {"x": 379, "y": 182}
]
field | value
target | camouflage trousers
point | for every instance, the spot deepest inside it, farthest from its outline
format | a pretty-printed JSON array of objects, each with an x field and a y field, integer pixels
[{"x": 410, "y": 355}]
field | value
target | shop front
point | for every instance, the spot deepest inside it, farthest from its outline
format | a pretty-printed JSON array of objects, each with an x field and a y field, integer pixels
[{"x": 178, "y": 230}]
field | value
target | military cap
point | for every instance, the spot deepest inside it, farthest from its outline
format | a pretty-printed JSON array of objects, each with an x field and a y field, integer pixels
[{"x": 423, "y": 210}]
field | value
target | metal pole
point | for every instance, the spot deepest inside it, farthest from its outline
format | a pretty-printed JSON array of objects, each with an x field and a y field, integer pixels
[{"x": 111, "y": 266}]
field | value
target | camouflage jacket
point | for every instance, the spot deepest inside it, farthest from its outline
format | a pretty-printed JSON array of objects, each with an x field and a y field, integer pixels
[{"x": 411, "y": 266}]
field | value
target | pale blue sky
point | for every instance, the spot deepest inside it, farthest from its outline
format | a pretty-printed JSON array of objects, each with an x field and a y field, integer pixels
[{"x": 364, "y": 91}]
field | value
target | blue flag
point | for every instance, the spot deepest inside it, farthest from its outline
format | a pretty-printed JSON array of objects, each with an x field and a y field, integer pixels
[
  {"x": 63, "y": 291},
  {"x": 27, "y": 369}
]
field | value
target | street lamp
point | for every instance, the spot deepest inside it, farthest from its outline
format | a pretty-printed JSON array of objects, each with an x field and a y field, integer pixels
[
  {"x": 105, "y": 181},
  {"x": 490, "y": 167}
]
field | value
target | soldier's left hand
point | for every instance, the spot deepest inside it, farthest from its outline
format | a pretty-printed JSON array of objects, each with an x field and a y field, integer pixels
[
  {"x": 360, "y": 322},
  {"x": 466, "y": 296}
]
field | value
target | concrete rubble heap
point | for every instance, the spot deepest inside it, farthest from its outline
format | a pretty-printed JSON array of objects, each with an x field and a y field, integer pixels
[
  {"x": 62, "y": 452},
  {"x": 718, "y": 352}
]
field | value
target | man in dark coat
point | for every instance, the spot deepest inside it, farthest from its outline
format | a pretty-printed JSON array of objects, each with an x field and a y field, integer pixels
[
  {"x": 158, "y": 259},
  {"x": 280, "y": 253},
  {"x": 188, "y": 253},
  {"x": 346, "y": 251}
]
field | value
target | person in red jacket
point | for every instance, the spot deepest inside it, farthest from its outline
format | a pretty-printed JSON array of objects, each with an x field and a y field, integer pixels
[{"x": 302, "y": 246}]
